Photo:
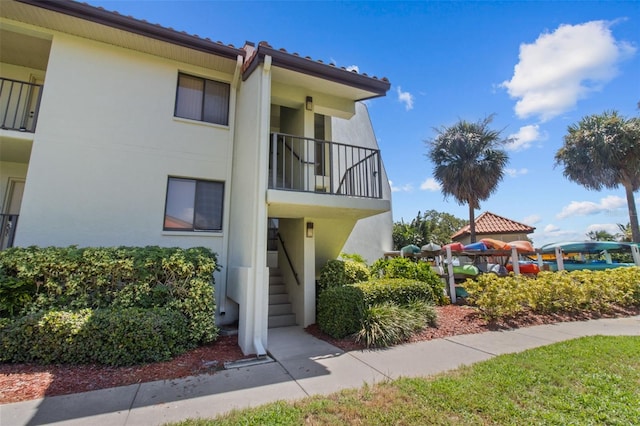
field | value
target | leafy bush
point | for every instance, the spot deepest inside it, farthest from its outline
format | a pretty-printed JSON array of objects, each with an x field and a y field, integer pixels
[
  {"x": 340, "y": 310},
  {"x": 343, "y": 311},
  {"x": 153, "y": 292},
  {"x": 386, "y": 324},
  {"x": 106, "y": 336},
  {"x": 402, "y": 267},
  {"x": 396, "y": 290},
  {"x": 555, "y": 292},
  {"x": 337, "y": 273}
]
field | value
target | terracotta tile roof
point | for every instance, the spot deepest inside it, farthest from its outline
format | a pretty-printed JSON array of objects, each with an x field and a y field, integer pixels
[
  {"x": 142, "y": 27},
  {"x": 491, "y": 223}
]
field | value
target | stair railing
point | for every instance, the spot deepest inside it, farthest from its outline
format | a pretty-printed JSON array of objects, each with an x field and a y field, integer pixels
[{"x": 286, "y": 254}]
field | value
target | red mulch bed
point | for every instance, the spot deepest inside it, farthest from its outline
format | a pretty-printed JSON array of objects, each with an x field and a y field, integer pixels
[{"x": 21, "y": 382}]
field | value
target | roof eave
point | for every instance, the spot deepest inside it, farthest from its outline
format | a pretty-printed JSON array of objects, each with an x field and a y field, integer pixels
[
  {"x": 378, "y": 87},
  {"x": 132, "y": 25}
]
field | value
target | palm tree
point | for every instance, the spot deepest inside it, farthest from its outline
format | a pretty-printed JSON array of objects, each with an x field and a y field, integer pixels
[
  {"x": 469, "y": 163},
  {"x": 625, "y": 233},
  {"x": 603, "y": 151}
]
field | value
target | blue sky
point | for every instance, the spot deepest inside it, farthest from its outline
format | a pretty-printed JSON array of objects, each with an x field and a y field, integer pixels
[{"x": 538, "y": 66}]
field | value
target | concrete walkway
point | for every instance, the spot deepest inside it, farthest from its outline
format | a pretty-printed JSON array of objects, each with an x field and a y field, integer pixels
[{"x": 302, "y": 365}]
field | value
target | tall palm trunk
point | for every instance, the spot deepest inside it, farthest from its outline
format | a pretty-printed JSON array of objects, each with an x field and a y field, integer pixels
[
  {"x": 472, "y": 223},
  {"x": 633, "y": 214}
]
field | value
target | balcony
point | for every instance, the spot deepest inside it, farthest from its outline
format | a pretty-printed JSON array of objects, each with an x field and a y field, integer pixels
[
  {"x": 311, "y": 165},
  {"x": 19, "y": 105}
]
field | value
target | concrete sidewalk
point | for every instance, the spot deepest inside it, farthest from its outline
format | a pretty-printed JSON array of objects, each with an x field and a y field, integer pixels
[{"x": 303, "y": 366}]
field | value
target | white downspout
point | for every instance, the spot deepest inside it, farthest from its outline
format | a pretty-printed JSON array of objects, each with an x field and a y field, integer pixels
[{"x": 260, "y": 254}]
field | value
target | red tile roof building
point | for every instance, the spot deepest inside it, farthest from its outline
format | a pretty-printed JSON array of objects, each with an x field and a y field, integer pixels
[{"x": 490, "y": 225}]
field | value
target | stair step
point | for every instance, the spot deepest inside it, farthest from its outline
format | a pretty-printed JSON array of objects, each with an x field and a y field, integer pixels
[
  {"x": 282, "y": 320},
  {"x": 280, "y": 309},
  {"x": 275, "y": 299},
  {"x": 277, "y": 289},
  {"x": 276, "y": 279},
  {"x": 274, "y": 271}
]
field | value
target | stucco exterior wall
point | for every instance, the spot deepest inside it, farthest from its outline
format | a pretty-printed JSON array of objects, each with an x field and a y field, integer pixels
[
  {"x": 371, "y": 236},
  {"x": 106, "y": 143},
  {"x": 106, "y": 123}
]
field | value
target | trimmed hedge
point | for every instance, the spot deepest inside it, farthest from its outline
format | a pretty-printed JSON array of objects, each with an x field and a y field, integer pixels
[
  {"x": 170, "y": 288},
  {"x": 336, "y": 273},
  {"x": 402, "y": 267},
  {"x": 122, "y": 336},
  {"x": 555, "y": 292},
  {"x": 400, "y": 291},
  {"x": 341, "y": 310}
]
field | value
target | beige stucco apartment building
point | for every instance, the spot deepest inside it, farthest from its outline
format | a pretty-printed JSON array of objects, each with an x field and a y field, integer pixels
[{"x": 118, "y": 132}]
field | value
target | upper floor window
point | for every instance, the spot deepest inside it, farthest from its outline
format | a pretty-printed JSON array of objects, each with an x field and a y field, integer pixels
[
  {"x": 193, "y": 205},
  {"x": 203, "y": 100}
]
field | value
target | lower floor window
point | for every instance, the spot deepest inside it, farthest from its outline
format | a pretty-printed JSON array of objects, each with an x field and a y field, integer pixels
[{"x": 193, "y": 205}]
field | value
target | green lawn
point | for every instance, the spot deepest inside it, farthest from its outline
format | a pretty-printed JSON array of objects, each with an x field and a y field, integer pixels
[{"x": 592, "y": 380}]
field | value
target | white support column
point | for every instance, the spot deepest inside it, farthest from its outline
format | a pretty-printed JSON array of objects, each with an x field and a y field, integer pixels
[
  {"x": 309, "y": 275},
  {"x": 540, "y": 261},
  {"x": 635, "y": 252},
  {"x": 514, "y": 260},
  {"x": 452, "y": 281},
  {"x": 559, "y": 259}
]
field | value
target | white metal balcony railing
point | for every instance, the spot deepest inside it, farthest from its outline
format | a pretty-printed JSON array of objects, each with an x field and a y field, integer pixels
[
  {"x": 8, "y": 225},
  {"x": 19, "y": 105},
  {"x": 312, "y": 165}
]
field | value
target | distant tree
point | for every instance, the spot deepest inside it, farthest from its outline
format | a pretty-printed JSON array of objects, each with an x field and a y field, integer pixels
[
  {"x": 625, "y": 232},
  {"x": 603, "y": 151},
  {"x": 600, "y": 235},
  {"x": 432, "y": 226},
  {"x": 469, "y": 163}
]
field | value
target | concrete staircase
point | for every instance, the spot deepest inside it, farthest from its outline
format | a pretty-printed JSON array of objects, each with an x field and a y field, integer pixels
[{"x": 280, "y": 313}]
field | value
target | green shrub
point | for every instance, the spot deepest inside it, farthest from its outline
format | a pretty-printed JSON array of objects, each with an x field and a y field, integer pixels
[
  {"x": 402, "y": 267},
  {"x": 396, "y": 290},
  {"x": 386, "y": 324},
  {"x": 70, "y": 279},
  {"x": 337, "y": 273},
  {"x": 343, "y": 311},
  {"x": 340, "y": 310},
  {"x": 133, "y": 335},
  {"x": 555, "y": 292},
  {"x": 106, "y": 336},
  {"x": 124, "y": 304},
  {"x": 496, "y": 297}
]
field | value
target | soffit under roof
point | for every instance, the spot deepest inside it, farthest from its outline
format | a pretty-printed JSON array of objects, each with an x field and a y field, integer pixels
[
  {"x": 317, "y": 84},
  {"x": 44, "y": 18},
  {"x": 24, "y": 50}
]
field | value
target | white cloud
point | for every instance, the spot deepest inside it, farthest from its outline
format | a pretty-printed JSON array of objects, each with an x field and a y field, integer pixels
[
  {"x": 561, "y": 67},
  {"x": 430, "y": 185},
  {"x": 611, "y": 228},
  {"x": 586, "y": 208},
  {"x": 404, "y": 188},
  {"x": 406, "y": 98},
  {"x": 524, "y": 138},
  {"x": 553, "y": 234},
  {"x": 516, "y": 172},
  {"x": 532, "y": 219},
  {"x": 551, "y": 228},
  {"x": 353, "y": 68}
]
